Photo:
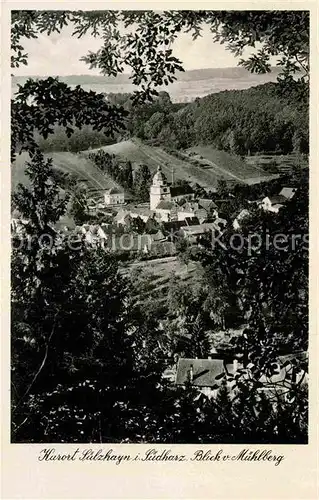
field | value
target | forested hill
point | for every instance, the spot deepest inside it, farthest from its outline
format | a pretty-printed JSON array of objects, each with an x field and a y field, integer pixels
[
  {"x": 240, "y": 121},
  {"x": 255, "y": 120}
]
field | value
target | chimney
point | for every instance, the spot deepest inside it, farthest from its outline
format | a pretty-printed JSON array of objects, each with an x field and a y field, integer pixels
[{"x": 172, "y": 175}]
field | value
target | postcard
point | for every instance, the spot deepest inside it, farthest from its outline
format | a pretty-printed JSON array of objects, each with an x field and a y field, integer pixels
[{"x": 158, "y": 307}]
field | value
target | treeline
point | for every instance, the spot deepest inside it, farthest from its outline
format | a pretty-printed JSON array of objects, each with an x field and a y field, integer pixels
[
  {"x": 248, "y": 121},
  {"x": 243, "y": 122},
  {"x": 121, "y": 171},
  {"x": 81, "y": 140}
]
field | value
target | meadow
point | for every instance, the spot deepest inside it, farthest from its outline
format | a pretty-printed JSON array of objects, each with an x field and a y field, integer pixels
[
  {"x": 85, "y": 171},
  {"x": 212, "y": 164}
]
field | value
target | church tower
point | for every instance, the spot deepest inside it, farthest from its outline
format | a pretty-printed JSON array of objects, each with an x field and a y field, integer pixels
[{"x": 160, "y": 190}]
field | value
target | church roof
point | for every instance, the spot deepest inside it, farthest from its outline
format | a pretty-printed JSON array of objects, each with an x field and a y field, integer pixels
[{"x": 181, "y": 190}]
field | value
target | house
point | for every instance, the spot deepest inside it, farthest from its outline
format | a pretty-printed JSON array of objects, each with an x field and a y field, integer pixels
[
  {"x": 172, "y": 229},
  {"x": 208, "y": 205},
  {"x": 192, "y": 209},
  {"x": 165, "y": 210},
  {"x": 114, "y": 196},
  {"x": 191, "y": 233},
  {"x": 288, "y": 192},
  {"x": 273, "y": 203},
  {"x": 244, "y": 214},
  {"x": 94, "y": 234},
  {"x": 205, "y": 374},
  {"x": 144, "y": 213},
  {"x": 122, "y": 218}
]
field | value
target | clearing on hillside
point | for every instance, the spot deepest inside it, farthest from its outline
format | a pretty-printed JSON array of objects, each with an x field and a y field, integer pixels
[
  {"x": 212, "y": 165},
  {"x": 231, "y": 167},
  {"x": 138, "y": 152},
  {"x": 70, "y": 163}
]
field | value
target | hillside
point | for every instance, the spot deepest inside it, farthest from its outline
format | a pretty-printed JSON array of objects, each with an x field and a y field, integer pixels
[
  {"x": 216, "y": 165},
  {"x": 242, "y": 122},
  {"x": 85, "y": 171},
  {"x": 188, "y": 86},
  {"x": 186, "y": 76},
  {"x": 212, "y": 165},
  {"x": 229, "y": 166}
]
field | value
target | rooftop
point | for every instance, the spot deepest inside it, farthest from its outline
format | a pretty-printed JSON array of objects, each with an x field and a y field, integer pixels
[
  {"x": 206, "y": 203},
  {"x": 277, "y": 199},
  {"x": 202, "y": 372},
  {"x": 287, "y": 192},
  {"x": 200, "y": 228},
  {"x": 165, "y": 205},
  {"x": 114, "y": 190},
  {"x": 181, "y": 190}
]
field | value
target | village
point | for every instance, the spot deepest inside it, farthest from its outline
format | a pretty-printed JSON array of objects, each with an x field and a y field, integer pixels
[{"x": 151, "y": 231}]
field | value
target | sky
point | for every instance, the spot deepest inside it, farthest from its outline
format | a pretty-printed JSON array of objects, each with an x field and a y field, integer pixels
[{"x": 59, "y": 54}]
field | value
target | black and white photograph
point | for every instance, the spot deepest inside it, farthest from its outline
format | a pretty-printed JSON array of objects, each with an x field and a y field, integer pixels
[{"x": 160, "y": 228}]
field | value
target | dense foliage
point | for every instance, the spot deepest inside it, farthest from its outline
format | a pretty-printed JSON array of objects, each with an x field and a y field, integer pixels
[
  {"x": 121, "y": 171},
  {"x": 87, "y": 359},
  {"x": 81, "y": 139},
  {"x": 238, "y": 121}
]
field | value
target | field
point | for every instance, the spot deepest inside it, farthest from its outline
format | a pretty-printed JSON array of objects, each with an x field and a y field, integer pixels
[
  {"x": 85, "y": 170},
  {"x": 214, "y": 166},
  {"x": 284, "y": 163},
  {"x": 211, "y": 166},
  {"x": 229, "y": 167}
]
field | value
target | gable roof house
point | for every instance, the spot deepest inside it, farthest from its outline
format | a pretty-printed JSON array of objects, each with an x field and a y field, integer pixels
[
  {"x": 191, "y": 233},
  {"x": 208, "y": 204},
  {"x": 172, "y": 229},
  {"x": 94, "y": 234},
  {"x": 243, "y": 214},
  {"x": 192, "y": 209},
  {"x": 114, "y": 196},
  {"x": 167, "y": 210},
  {"x": 122, "y": 218},
  {"x": 288, "y": 192},
  {"x": 205, "y": 374},
  {"x": 144, "y": 213},
  {"x": 273, "y": 203}
]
